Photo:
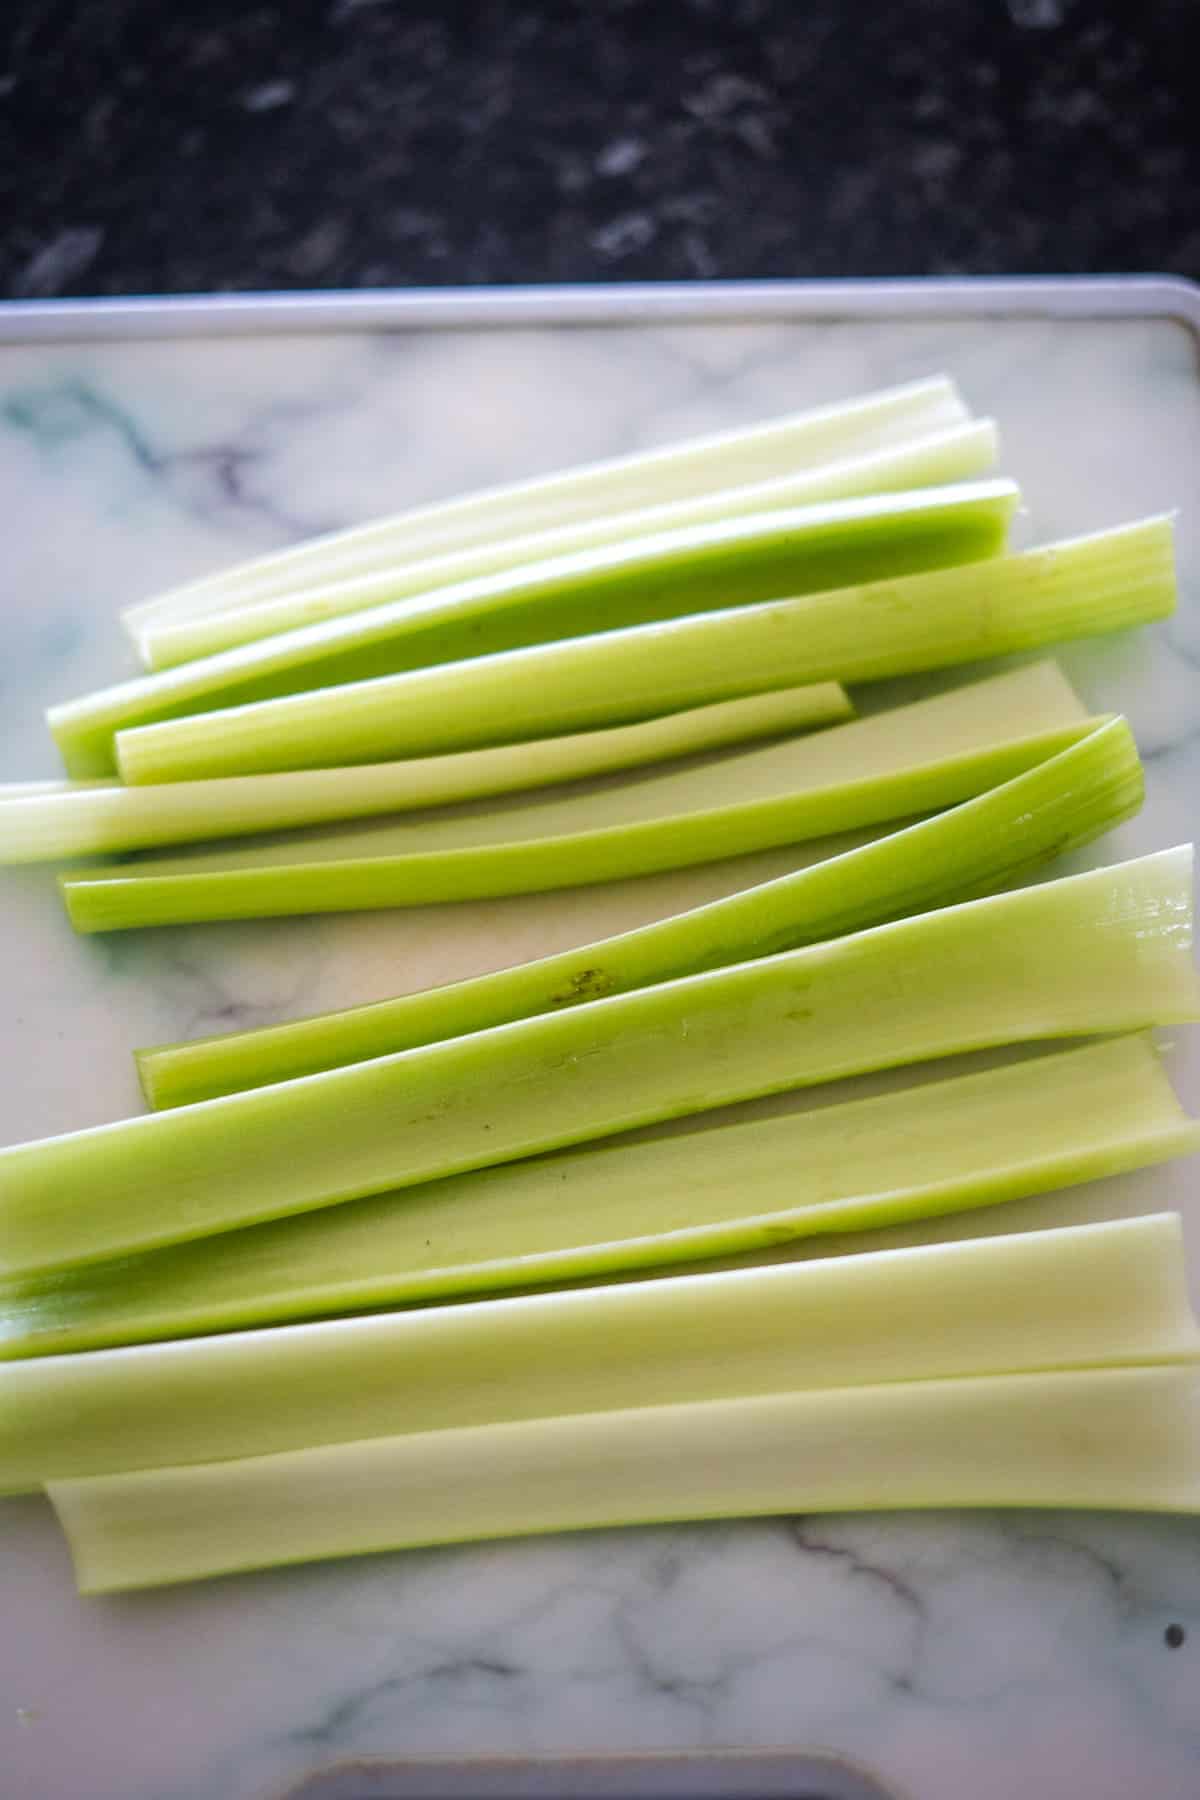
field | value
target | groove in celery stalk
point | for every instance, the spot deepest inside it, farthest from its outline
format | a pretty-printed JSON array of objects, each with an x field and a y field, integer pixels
[
  {"x": 898, "y": 626},
  {"x": 1102, "y": 952},
  {"x": 953, "y": 455},
  {"x": 1101, "y": 1438},
  {"x": 470, "y": 857},
  {"x": 694, "y": 466},
  {"x": 40, "y": 821},
  {"x": 729, "y": 563},
  {"x": 1088, "y": 1296},
  {"x": 965, "y": 1141},
  {"x": 973, "y": 849}
]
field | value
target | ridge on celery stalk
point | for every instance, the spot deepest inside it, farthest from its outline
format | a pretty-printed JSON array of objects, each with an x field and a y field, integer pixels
[{"x": 1103, "y": 952}]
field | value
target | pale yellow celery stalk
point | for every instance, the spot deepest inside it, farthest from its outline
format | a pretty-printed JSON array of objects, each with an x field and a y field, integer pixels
[
  {"x": 952, "y": 455},
  {"x": 1088, "y": 586},
  {"x": 1106, "y": 951},
  {"x": 693, "y": 466},
  {"x": 1046, "y": 1122},
  {"x": 1088, "y": 1296},
  {"x": 44, "y": 820},
  {"x": 1101, "y": 1438}
]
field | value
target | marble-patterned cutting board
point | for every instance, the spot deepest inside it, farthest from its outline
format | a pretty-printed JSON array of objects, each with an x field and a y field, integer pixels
[{"x": 951, "y": 1655}]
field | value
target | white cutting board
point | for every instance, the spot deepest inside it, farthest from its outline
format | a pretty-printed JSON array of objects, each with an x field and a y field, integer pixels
[{"x": 949, "y": 1654}]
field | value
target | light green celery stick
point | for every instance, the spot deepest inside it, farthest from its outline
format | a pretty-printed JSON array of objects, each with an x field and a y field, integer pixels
[
  {"x": 609, "y": 836},
  {"x": 1099, "y": 1438},
  {"x": 1106, "y": 951},
  {"x": 928, "y": 621},
  {"x": 966, "y": 1141},
  {"x": 18, "y": 790},
  {"x": 1093, "y": 1295},
  {"x": 694, "y": 466},
  {"x": 40, "y": 821},
  {"x": 724, "y": 564},
  {"x": 953, "y": 455},
  {"x": 972, "y": 849},
  {"x": 789, "y": 787}
]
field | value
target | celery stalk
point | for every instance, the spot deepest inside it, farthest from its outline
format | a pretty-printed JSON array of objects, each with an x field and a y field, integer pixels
[
  {"x": 753, "y": 801},
  {"x": 1082, "y": 588},
  {"x": 961, "y": 452},
  {"x": 695, "y": 466},
  {"x": 1102, "y": 952},
  {"x": 19, "y": 790},
  {"x": 1048, "y": 1122},
  {"x": 1088, "y": 1296},
  {"x": 724, "y": 564},
  {"x": 977, "y": 847},
  {"x": 39, "y": 821},
  {"x": 1099, "y": 1438}
]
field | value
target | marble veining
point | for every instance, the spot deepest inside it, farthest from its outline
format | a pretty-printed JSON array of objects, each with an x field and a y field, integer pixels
[{"x": 948, "y": 1654}]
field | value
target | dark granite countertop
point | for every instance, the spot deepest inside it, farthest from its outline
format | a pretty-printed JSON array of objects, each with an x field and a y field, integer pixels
[{"x": 347, "y": 143}]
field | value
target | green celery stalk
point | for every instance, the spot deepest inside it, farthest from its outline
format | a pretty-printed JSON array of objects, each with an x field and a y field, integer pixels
[
  {"x": 1099, "y": 1438},
  {"x": 724, "y": 564},
  {"x": 956, "y": 454},
  {"x": 802, "y": 440},
  {"x": 1082, "y": 588},
  {"x": 1106, "y": 951},
  {"x": 40, "y": 821},
  {"x": 912, "y": 760},
  {"x": 975, "y": 848},
  {"x": 1048, "y": 1122},
  {"x": 1089, "y": 1296}
]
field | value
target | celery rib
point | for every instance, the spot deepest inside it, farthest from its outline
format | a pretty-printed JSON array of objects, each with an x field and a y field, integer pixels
[
  {"x": 694, "y": 466},
  {"x": 964, "y": 1141},
  {"x": 725, "y": 564},
  {"x": 1098, "y": 1438},
  {"x": 40, "y": 821},
  {"x": 913, "y": 759},
  {"x": 956, "y": 454},
  {"x": 334, "y": 874},
  {"x": 973, "y": 849},
  {"x": 1088, "y": 1296},
  {"x": 897, "y": 626},
  {"x": 1107, "y": 951}
]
